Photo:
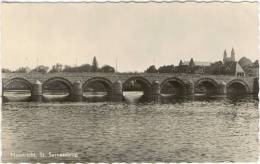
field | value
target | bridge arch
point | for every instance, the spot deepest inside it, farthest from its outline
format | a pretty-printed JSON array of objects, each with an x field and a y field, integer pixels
[
  {"x": 13, "y": 87},
  {"x": 104, "y": 81},
  {"x": 178, "y": 85},
  {"x": 237, "y": 86},
  {"x": 206, "y": 85},
  {"x": 18, "y": 80},
  {"x": 61, "y": 80},
  {"x": 143, "y": 82}
]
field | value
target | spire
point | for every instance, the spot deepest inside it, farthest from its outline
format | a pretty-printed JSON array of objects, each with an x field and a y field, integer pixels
[
  {"x": 225, "y": 53},
  {"x": 180, "y": 63},
  {"x": 233, "y": 55},
  {"x": 191, "y": 62},
  {"x": 225, "y": 56}
]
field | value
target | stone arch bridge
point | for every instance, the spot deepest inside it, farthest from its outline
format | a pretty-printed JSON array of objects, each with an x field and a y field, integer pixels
[{"x": 151, "y": 83}]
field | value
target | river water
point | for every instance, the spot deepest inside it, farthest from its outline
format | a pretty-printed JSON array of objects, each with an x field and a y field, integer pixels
[{"x": 197, "y": 129}]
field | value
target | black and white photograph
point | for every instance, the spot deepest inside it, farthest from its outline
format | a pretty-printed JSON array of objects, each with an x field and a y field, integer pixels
[{"x": 129, "y": 81}]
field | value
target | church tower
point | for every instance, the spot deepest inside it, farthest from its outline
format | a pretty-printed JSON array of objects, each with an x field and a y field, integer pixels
[
  {"x": 233, "y": 57},
  {"x": 225, "y": 56}
]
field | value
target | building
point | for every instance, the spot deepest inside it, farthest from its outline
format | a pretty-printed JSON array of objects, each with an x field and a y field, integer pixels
[
  {"x": 191, "y": 66},
  {"x": 198, "y": 63},
  {"x": 231, "y": 58},
  {"x": 252, "y": 70},
  {"x": 233, "y": 68},
  {"x": 229, "y": 66}
]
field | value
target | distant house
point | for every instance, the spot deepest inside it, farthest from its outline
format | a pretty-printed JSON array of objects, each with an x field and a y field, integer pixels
[
  {"x": 198, "y": 68},
  {"x": 252, "y": 71},
  {"x": 182, "y": 69},
  {"x": 198, "y": 63},
  {"x": 233, "y": 68}
]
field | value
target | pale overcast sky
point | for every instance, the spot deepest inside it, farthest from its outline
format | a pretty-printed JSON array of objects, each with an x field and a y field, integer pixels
[{"x": 138, "y": 35}]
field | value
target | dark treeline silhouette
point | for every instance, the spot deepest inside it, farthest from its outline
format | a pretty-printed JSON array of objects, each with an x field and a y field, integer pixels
[
  {"x": 162, "y": 69},
  {"x": 64, "y": 68}
]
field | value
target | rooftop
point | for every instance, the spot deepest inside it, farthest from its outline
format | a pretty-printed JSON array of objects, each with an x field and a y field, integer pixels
[{"x": 198, "y": 63}]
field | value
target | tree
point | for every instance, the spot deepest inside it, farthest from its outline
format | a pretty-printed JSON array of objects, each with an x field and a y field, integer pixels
[
  {"x": 191, "y": 64},
  {"x": 5, "y": 70},
  {"x": 22, "y": 70},
  {"x": 151, "y": 69},
  {"x": 67, "y": 68},
  {"x": 107, "y": 69},
  {"x": 82, "y": 68},
  {"x": 94, "y": 65},
  {"x": 85, "y": 68},
  {"x": 41, "y": 69},
  {"x": 244, "y": 62},
  {"x": 180, "y": 63},
  {"x": 56, "y": 68},
  {"x": 256, "y": 63},
  {"x": 166, "y": 69},
  {"x": 217, "y": 68}
]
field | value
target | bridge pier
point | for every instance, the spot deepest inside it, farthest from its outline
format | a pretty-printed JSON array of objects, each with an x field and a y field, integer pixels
[
  {"x": 117, "y": 92},
  {"x": 155, "y": 93},
  {"x": 77, "y": 92},
  {"x": 190, "y": 88},
  {"x": 37, "y": 93},
  {"x": 222, "y": 88}
]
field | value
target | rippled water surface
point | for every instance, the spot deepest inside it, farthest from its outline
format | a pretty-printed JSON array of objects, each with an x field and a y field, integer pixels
[{"x": 197, "y": 130}]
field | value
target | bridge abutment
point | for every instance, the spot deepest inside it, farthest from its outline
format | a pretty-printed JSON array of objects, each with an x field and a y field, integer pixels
[
  {"x": 77, "y": 92},
  {"x": 37, "y": 92},
  {"x": 117, "y": 92}
]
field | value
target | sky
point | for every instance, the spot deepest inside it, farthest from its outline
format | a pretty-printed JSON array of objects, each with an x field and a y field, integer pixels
[{"x": 137, "y": 35}]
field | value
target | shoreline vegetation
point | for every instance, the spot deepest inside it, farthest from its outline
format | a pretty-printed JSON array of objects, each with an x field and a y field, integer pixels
[{"x": 192, "y": 67}]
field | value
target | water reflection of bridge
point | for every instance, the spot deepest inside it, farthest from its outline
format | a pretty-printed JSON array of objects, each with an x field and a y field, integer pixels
[{"x": 114, "y": 84}]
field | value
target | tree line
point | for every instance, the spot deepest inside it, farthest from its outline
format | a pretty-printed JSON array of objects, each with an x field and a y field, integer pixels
[
  {"x": 161, "y": 69},
  {"x": 64, "y": 68},
  {"x": 167, "y": 68}
]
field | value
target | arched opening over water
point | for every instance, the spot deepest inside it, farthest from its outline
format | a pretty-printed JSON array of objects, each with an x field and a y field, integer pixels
[
  {"x": 173, "y": 86},
  {"x": 135, "y": 88},
  {"x": 206, "y": 86},
  {"x": 237, "y": 87},
  {"x": 17, "y": 89},
  {"x": 97, "y": 88},
  {"x": 57, "y": 88}
]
